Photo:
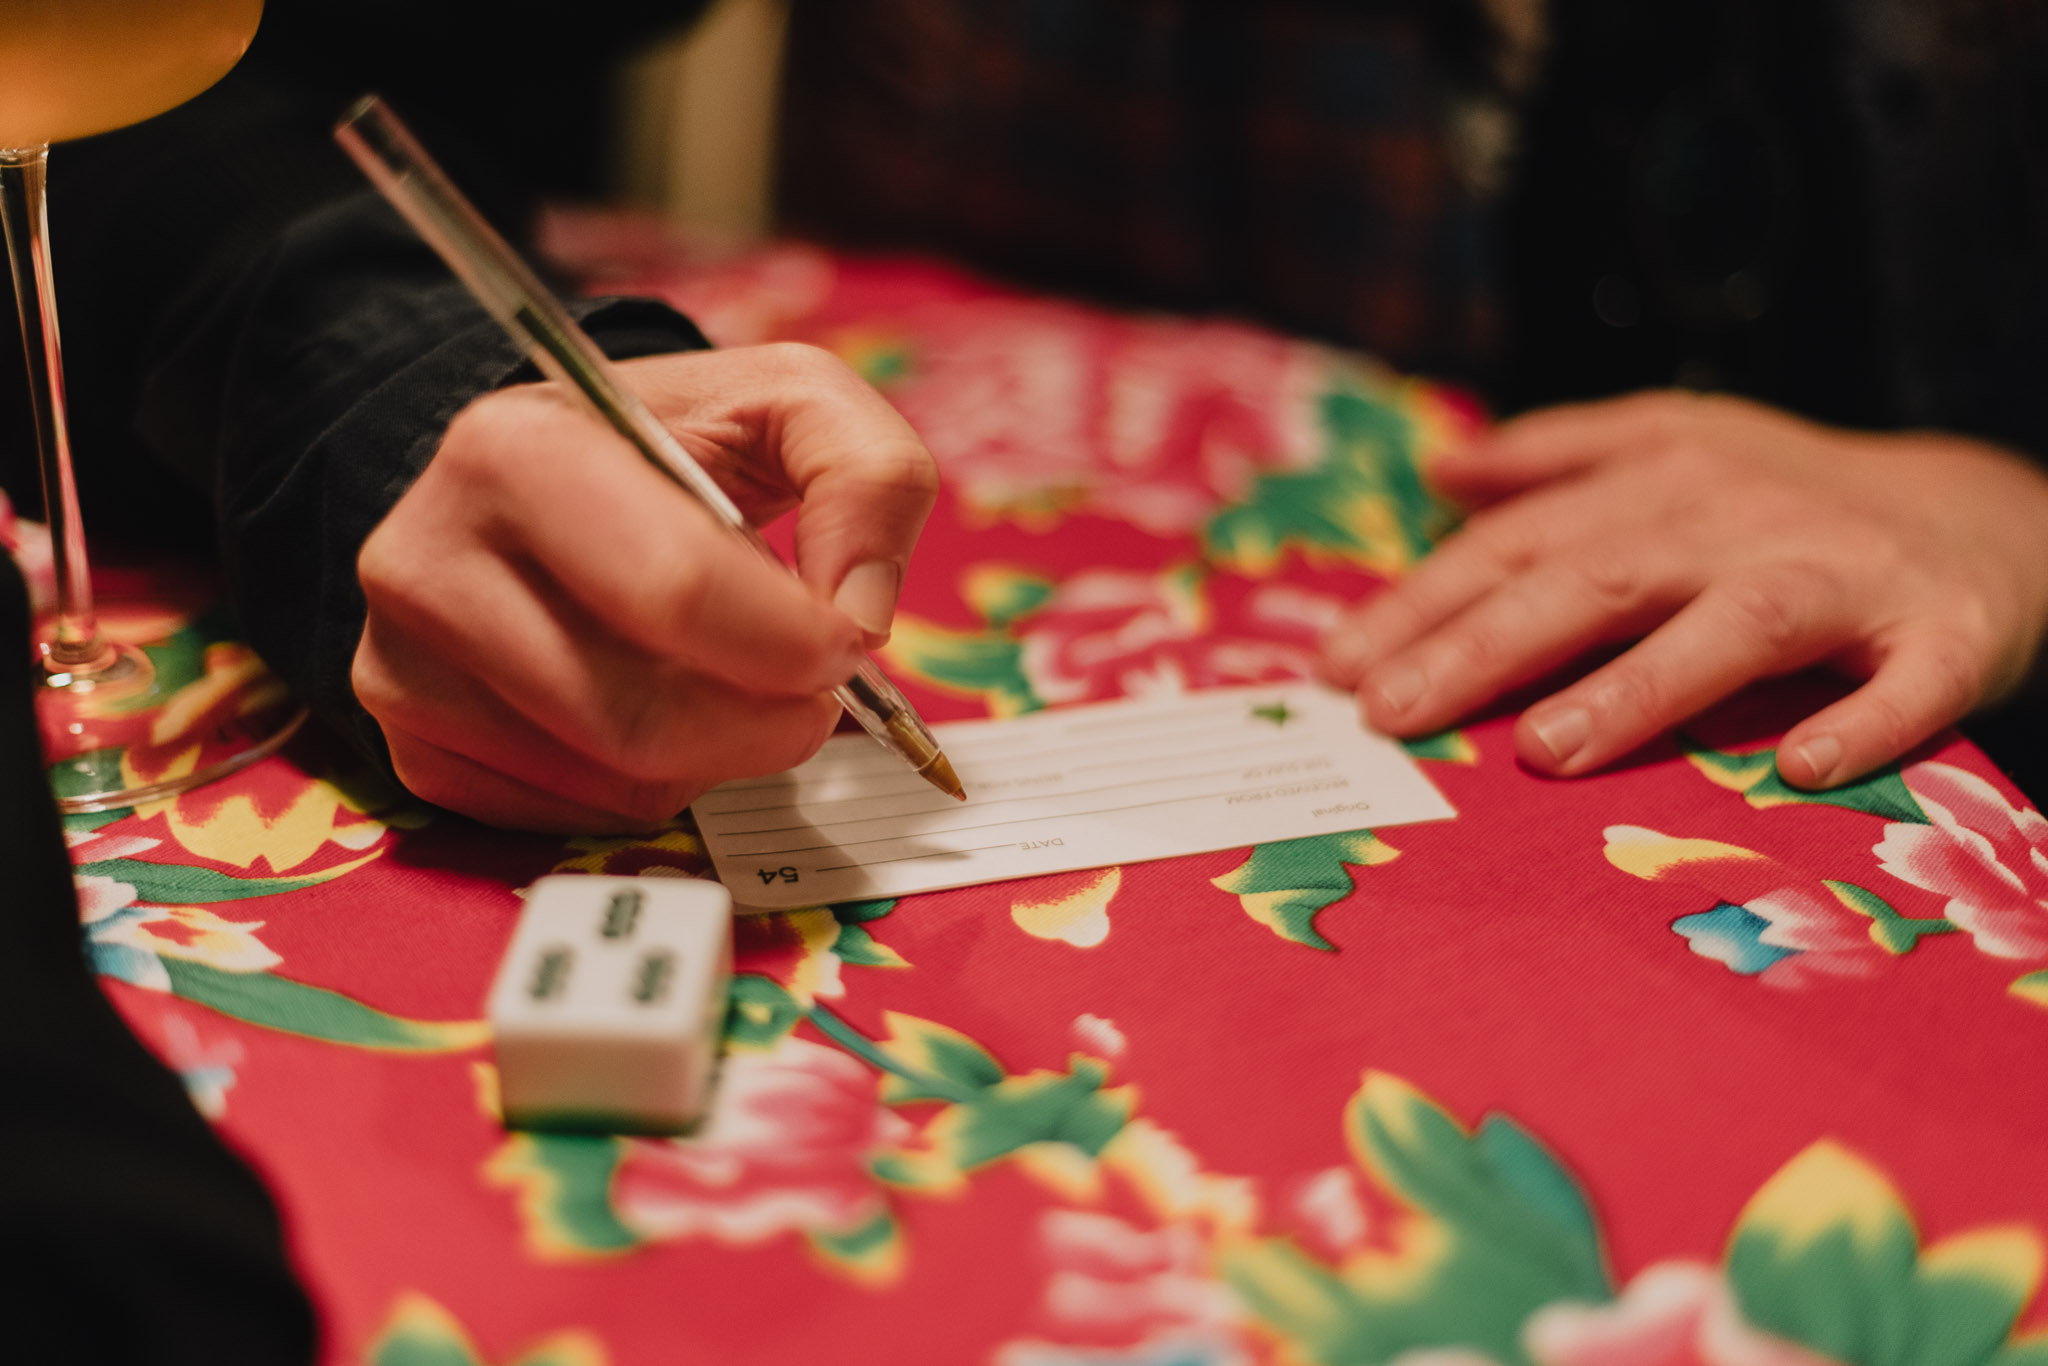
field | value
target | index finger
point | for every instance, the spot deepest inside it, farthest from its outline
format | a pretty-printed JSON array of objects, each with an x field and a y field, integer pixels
[
  {"x": 800, "y": 419},
  {"x": 1553, "y": 443}
]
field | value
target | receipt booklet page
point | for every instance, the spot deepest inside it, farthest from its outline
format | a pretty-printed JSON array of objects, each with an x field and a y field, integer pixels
[{"x": 1053, "y": 791}]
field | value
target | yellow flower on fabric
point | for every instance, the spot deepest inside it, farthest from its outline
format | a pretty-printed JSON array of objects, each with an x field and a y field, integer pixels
[{"x": 1079, "y": 916}]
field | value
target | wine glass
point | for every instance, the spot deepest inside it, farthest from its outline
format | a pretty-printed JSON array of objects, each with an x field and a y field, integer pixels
[{"x": 115, "y": 731}]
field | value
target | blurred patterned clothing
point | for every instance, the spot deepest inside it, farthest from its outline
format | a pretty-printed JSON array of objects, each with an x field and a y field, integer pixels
[
  {"x": 1321, "y": 165},
  {"x": 1836, "y": 206}
]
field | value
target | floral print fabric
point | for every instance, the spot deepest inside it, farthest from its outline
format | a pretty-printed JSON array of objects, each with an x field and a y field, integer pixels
[{"x": 1668, "y": 1065}]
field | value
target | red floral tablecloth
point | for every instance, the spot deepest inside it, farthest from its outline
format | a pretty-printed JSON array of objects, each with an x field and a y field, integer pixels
[{"x": 1670, "y": 1064}]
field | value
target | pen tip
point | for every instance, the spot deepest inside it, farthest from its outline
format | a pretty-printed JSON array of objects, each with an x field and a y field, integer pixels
[{"x": 939, "y": 773}]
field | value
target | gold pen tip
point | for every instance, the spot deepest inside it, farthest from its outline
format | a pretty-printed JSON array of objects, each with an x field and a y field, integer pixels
[{"x": 939, "y": 773}]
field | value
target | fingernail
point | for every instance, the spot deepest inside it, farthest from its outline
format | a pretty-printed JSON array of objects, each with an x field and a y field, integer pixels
[
  {"x": 1401, "y": 686},
  {"x": 1821, "y": 754},
  {"x": 868, "y": 595},
  {"x": 1563, "y": 733}
]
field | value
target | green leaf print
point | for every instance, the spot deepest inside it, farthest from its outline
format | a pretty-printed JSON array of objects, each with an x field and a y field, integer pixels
[
  {"x": 420, "y": 1332},
  {"x": 260, "y": 998},
  {"x": 854, "y": 944},
  {"x": 1285, "y": 886},
  {"x": 1826, "y": 1255},
  {"x": 1364, "y": 501},
  {"x": 871, "y": 1251},
  {"x": 987, "y": 1114},
  {"x": 176, "y": 884},
  {"x": 1446, "y": 746},
  {"x": 1755, "y": 775},
  {"x": 1890, "y": 931},
  {"x": 2030, "y": 1351},
  {"x": 759, "y": 1012},
  {"x": 1499, "y": 1229},
  {"x": 85, "y": 822},
  {"x": 1044, "y": 1108},
  {"x": 931, "y": 1062},
  {"x": 1000, "y": 595},
  {"x": 564, "y": 1188},
  {"x": 984, "y": 664}
]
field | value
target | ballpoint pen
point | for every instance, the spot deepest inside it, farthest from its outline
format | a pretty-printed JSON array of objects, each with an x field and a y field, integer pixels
[{"x": 405, "y": 175}]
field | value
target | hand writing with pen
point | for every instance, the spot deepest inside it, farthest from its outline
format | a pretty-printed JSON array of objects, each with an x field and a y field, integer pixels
[{"x": 561, "y": 639}]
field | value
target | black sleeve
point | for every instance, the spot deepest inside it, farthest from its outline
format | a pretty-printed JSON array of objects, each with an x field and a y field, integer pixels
[
  {"x": 137, "y": 1235},
  {"x": 254, "y": 342},
  {"x": 337, "y": 362}
]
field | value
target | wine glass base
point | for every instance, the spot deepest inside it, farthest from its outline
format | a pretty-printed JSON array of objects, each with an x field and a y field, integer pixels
[
  {"x": 125, "y": 731},
  {"x": 119, "y": 671},
  {"x": 101, "y": 780}
]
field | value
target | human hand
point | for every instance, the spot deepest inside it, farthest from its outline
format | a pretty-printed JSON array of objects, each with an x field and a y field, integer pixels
[
  {"x": 561, "y": 639},
  {"x": 1738, "y": 542}
]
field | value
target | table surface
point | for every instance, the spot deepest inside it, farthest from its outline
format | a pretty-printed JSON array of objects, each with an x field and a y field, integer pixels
[{"x": 1668, "y": 1064}]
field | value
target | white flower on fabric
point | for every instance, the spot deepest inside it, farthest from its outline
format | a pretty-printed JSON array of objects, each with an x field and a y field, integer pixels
[
  {"x": 1137, "y": 1296},
  {"x": 1675, "y": 1313},
  {"x": 1328, "y": 1206},
  {"x": 1099, "y": 1036}
]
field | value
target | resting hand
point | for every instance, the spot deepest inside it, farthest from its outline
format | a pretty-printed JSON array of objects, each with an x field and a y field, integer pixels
[
  {"x": 561, "y": 639},
  {"x": 1737, "y": 542}
]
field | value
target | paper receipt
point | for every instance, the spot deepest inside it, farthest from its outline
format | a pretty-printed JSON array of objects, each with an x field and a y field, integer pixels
[{"x": 1053, "y": 791}]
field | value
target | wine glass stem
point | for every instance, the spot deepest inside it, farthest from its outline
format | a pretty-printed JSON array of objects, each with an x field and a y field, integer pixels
[{"x": 77, "y": 649}]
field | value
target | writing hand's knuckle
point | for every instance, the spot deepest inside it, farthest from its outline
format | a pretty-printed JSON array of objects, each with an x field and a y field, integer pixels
[
  {"x": 371, "y": 684},
  {"x": 637, "y": 739},
  {"x": 907, "y": 469},
  {"x": 813, "y": 661},
  {"x": 377, "y": 567},
  {"x": 801, "y": 359},
  {"x": 473, "y": 447},
  {"x": 793, "y": 744},
  {"x": 673, "y": 594},
  {"x": 429, "y": 777}
]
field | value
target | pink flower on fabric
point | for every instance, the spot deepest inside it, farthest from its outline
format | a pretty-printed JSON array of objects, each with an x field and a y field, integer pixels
[
  {"x": 1987, "y": 856},
  {"x": 1671, "y": 1314},
  {"x": 1781, "y": 924},
  {"x": 1125, "y": 633},
  {"x": 785, "y": 1150},
  {"x": 1033, "y": 408}
]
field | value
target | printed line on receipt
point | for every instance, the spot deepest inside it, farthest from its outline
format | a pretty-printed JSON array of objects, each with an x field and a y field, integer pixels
[{"x": 847, "y": 826}]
